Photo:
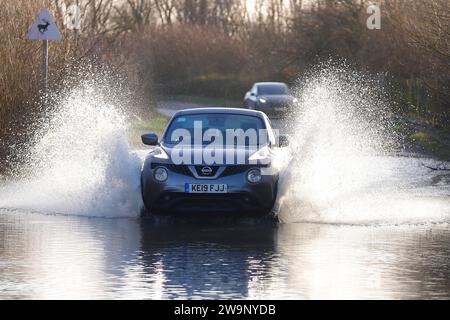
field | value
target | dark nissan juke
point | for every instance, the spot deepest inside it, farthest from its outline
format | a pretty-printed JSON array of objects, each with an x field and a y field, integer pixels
[{"x": 179, "y": 176}]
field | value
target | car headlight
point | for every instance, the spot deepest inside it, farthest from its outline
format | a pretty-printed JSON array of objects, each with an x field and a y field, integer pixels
[
  {"x": 161, "y": 174},
  {"x": 261, "y": 156},
  {"x": 262, "y": 100},
  {"x": 254, "y": 176}
]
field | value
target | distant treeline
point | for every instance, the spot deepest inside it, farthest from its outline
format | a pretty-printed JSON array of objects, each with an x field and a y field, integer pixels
[{"x": 219, "y": 47}]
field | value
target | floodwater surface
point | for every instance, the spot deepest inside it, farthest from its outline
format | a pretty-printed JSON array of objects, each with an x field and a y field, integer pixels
[{"x": 62, "y": 257}]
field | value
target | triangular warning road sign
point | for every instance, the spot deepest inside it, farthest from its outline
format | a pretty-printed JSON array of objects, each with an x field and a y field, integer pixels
[{"x": 44, "y": 28}]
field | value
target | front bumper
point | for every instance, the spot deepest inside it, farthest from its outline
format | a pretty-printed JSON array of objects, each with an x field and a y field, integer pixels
[
  {"x": 274, "y": 109},
  {"x": 242, "y": 197}
]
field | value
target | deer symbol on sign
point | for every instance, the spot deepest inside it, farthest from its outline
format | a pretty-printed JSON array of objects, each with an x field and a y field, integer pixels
[{"x": 43, "y": 27}]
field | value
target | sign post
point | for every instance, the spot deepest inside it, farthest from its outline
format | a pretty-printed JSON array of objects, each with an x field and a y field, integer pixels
[
  {"x": 45, "y": 30},
  {"x": 45, "y": 64}
]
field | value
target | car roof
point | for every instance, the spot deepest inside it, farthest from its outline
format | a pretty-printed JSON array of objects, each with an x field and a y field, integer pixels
[
  {"x": 223, "y": 110},
  {"x": 271, "y": 83}
]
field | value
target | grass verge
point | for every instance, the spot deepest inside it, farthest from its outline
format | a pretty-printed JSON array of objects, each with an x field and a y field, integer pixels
[
  {"x": 155, "y": 124},
  {"x": 205, "y": 100},
  {"x": 430, "y": 144}
]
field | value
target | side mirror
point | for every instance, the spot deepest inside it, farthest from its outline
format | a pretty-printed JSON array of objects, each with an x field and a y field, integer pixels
[
  {"x": 150, "y": 139},
  {"x": 252, "y": 94},
  {"x": 283, "y": 141}
]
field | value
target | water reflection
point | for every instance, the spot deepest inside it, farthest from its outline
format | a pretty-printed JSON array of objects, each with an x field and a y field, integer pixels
[
  {"x": 71, "y": 257},
  {"x": 348, "y": 262},
  {"x": 56, "y": 257},
  {"x": 208, "y": 261}
]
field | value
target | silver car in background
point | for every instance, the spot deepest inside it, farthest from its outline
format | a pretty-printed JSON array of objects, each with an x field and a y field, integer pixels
[
  {"x": 246, "y": 189},
  {"x": 273, "y": 98}
]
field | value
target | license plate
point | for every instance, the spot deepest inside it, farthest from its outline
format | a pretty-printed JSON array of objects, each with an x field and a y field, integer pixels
[{"x": 206, "y": 188}]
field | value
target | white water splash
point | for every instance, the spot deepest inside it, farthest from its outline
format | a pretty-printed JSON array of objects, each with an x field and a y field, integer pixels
[
  {"x": 341, "y": 166},
  {"x": 343, "y": 169},
  {"x": 80, "y": 162}
]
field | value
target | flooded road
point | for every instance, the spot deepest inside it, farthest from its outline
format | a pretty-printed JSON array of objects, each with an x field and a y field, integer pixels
[
  {"x": 360, "y": 216},
  {"x": 62, "y": 257}
]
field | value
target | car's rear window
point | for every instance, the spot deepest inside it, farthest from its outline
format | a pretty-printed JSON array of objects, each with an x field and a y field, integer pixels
[{"x": 217, "y": 121}]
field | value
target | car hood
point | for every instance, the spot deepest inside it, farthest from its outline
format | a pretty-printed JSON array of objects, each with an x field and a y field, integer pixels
[
  {"x": 278, "y": 98},
  {"x": 241, "y": 154}
]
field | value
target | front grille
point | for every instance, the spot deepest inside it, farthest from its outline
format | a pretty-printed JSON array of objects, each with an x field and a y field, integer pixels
[
  {"x": 273, "y": 105},
  {"x": 184, "y": 169},
  {"x": 206, "y": 202},
  {"x": 237, "y": 169},
  {"x": 200, "y": 173}
]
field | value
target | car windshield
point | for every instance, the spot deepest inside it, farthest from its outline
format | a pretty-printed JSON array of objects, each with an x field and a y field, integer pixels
[
  {"x": 213, "y": 125},
  {"x": 270, "y": 89}
]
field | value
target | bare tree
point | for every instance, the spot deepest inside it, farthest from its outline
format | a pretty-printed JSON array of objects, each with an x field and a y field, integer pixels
[
  {"x": 166, "y": 10},
  {"x": 133, "y": 15}
]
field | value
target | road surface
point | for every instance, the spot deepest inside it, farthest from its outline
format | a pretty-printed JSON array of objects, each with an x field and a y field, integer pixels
[
  {"x": 352, "y": 227},
  {"x": 169, "y": 108}
]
